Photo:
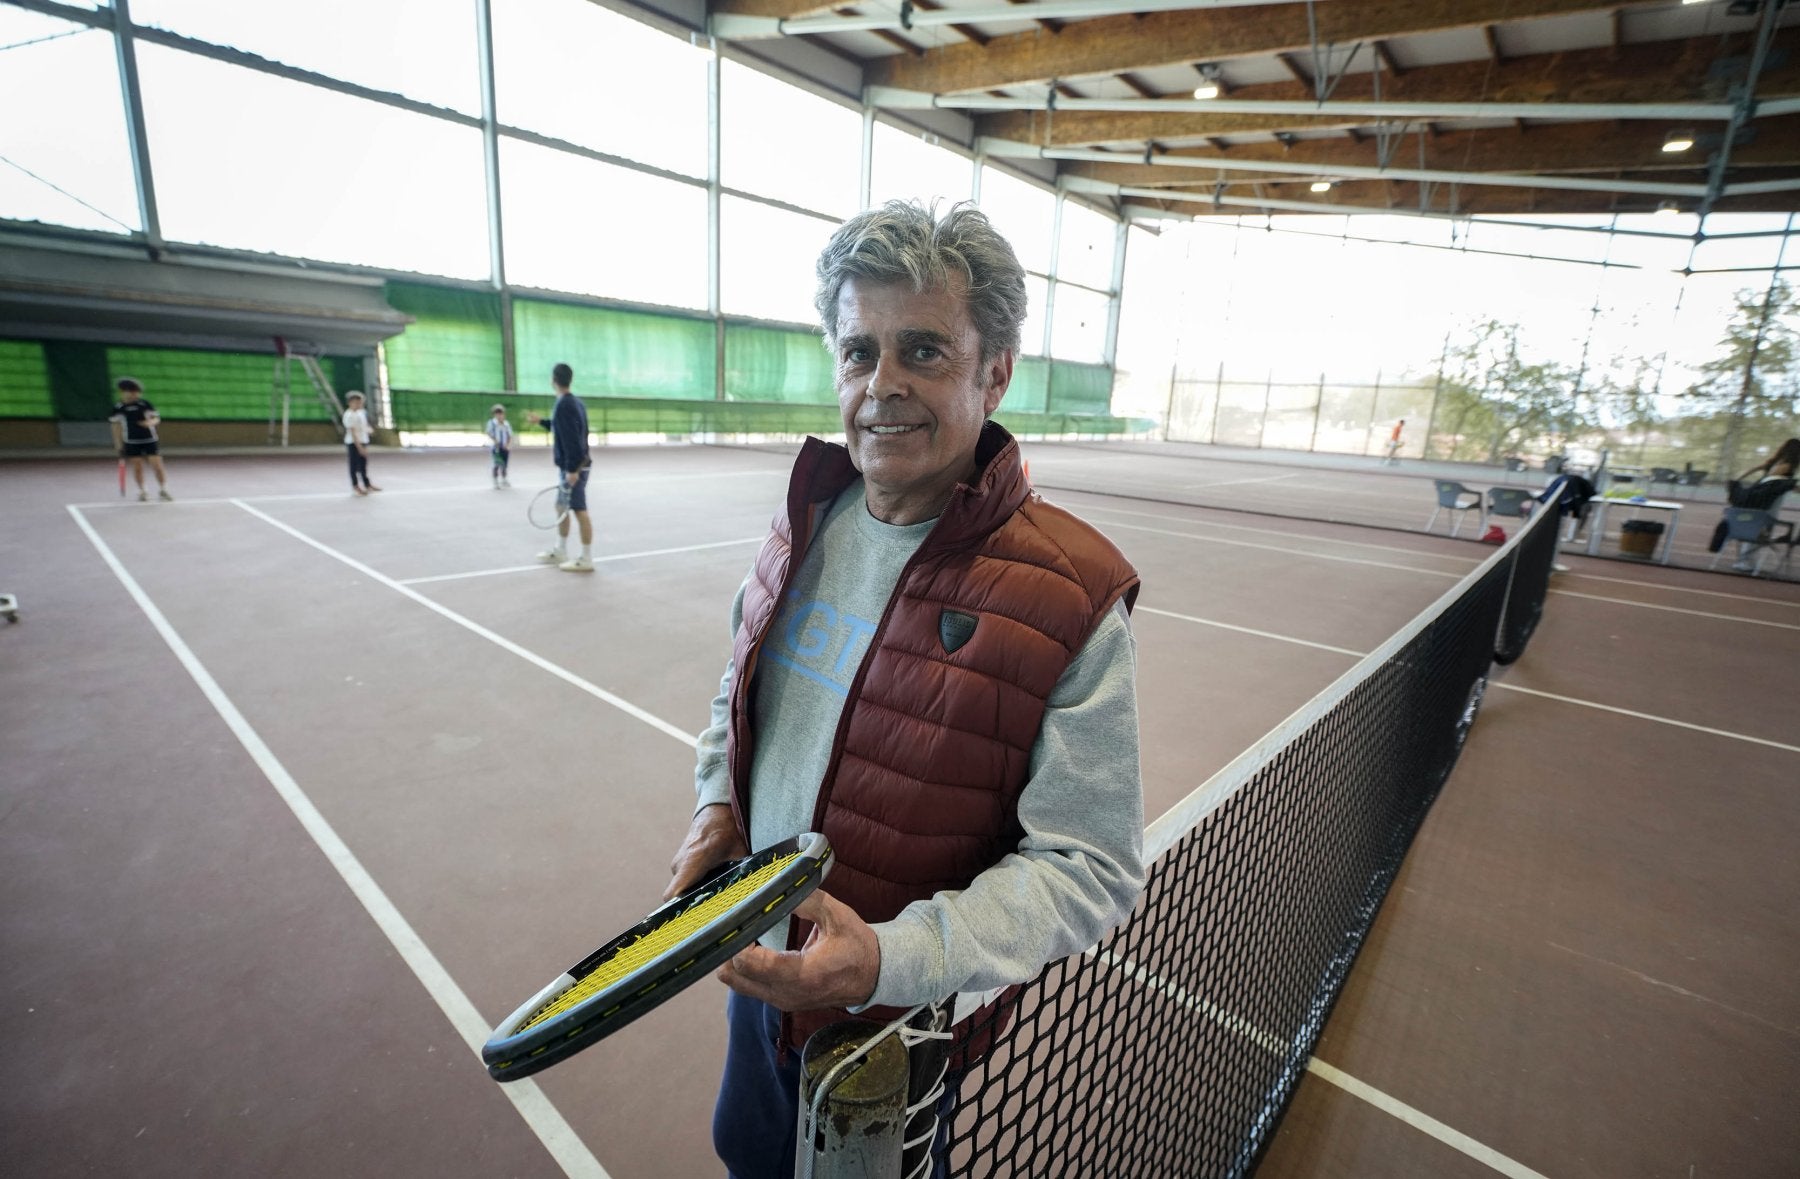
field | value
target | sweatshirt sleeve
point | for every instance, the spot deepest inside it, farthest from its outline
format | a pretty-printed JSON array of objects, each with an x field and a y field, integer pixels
[
  {"x": 1078, "y": 870},
  {"x": 712, "y": 775}
]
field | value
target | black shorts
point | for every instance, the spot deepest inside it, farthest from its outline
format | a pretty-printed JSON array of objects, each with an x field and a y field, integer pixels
[{"x": 139, "y": 449}]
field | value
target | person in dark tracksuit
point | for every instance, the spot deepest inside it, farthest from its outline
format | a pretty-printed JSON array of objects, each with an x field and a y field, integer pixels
[{"x": 568, "y": 426}]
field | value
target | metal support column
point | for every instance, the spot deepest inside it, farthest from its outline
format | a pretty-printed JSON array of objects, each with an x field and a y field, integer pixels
[
  {"x": 126, "y": 48},
  {"x": 714, "y": 206},
  {"x": 1110, "y": 355},
  {"x": 490, "y": 156}
]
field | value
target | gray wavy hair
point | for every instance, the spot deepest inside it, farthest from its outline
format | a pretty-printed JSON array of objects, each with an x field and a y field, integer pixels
[{"x": 903, "y": 241}]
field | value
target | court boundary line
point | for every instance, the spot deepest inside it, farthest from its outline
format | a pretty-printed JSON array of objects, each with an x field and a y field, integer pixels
[
  {"x": 1684, "y": 589},
  {"x": 1355, "y": 544},
  {"x": 469, "y": 624},
  {"x": 540, "y": 1115},
  {"x": 1421, "y": 1121},
  {"x": 1492, "y": 683},
  {"x": 1290, "y": 551},
  {"x": 690, "y": 548},
  {"x": 1679, "y": 610}
]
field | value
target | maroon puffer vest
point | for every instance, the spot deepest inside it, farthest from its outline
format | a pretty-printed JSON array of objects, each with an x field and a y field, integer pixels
[{"x": 934, "y": 745}]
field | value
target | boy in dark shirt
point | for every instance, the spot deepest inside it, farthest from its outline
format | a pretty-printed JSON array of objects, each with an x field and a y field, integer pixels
[
  {"x": 134, "y": 421},
  {"x": 568, "y": 426}
]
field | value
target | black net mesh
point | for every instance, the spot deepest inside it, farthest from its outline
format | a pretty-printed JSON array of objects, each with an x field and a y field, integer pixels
[
  {"x": 1530, "y": 585},
  {"x": 1172, "y": 1048}
]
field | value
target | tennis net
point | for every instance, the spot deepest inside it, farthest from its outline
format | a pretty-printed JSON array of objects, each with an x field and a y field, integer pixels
[{"x": 1173, "y": 1047}]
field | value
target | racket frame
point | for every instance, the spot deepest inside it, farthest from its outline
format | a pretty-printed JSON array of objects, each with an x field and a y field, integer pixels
[
  {"x": 515, "y": 1051},
  {"x": 533, "y": 512}
]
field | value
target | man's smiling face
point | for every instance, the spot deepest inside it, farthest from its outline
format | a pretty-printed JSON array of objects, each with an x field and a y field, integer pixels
[{"x": 914, "y": 392}]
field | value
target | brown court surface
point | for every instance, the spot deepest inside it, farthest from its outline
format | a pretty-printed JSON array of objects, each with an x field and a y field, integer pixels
[{"x": 1587, "y": 966}]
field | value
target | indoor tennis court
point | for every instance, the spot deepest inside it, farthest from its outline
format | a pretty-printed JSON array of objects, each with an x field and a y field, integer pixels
[
  {"x": 1436, "y": 363},
  {"x": 1585, "y": 967}
]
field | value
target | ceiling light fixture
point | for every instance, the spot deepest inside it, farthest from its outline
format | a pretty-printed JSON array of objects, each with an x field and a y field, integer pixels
[
  {"x": 1321, "y": 186},
  {"x": 1676, "y": 141},
  {"x": 1668, "y": 208},
  {"x": 1212, "y": 82}
]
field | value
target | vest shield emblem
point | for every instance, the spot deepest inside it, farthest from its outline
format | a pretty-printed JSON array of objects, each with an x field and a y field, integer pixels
[{"x": 955, "y": 628}]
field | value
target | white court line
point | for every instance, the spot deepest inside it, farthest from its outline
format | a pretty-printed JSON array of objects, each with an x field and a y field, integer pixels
[
  {"x": 1261, "y": 634},
  {"x": 558, "y": 1137},
  {"x": 1291, "y": 551},
  {"x": 1234, "y": 482},
  {"x": 1424, "y": 1123},
  {"x": 686, "y": 548},
  {"x": 501, "y": 641},
  {"x": 1679, "y": 610},
  {"x": 1661, "y": 720},
  {"x": 1682, "y": 589},
  {"x": 1355, "y": 544}
]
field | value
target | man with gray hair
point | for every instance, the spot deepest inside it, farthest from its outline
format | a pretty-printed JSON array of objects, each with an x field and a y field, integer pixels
[{"x": 931, "y": 666}]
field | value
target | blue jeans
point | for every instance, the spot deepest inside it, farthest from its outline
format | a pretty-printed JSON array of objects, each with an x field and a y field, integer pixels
[{"x": 758, "y": 1112}]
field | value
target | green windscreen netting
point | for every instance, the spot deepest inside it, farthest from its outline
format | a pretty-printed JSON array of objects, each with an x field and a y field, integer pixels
[
  {"x": 453, "y": 343},
  {"x": 614, "y": 353},
  {"x": 24, "y": 381},
  {"x": 1060, "y": 387},
  {"x": 224, "y": 386},
  {"x": 774, "y": 364}
]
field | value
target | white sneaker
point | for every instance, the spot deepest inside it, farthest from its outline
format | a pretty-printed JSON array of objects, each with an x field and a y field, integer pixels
[
  {"x": 143, "y": 497},
  {"x": 505, "y": 482},
  {"x": 577, "y": 565},
  {"x": 1559, "y": 567},
  {"x": 1743, "y": 566},
  {"x": 163, "y": 494},
  {"x": 552, "y": 557}
]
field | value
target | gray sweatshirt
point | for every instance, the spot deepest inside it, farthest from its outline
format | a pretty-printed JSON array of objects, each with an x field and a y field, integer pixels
[{"x": 1078, "y": 870}]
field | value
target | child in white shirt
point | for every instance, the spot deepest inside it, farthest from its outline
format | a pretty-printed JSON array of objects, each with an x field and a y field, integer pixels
[
  {"x": 356, "y": 442},
  {"x": 499, "y": 431}
]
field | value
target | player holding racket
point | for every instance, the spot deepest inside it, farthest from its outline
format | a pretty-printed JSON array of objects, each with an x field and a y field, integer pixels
[
  {"x": 134, "y": 421},
  {"x": 943, "y": 685},
  {"x": 568, "y": 426}
]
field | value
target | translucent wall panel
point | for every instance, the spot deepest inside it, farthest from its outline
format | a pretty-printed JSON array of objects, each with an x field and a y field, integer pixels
[
  {"x": 905, "y": 167},
  {"x": 573, "y": 70},
  {"x": 1078, "y": 331},
  {"x": 24, "y": 381},
  {"x": 1086, "y": 253},
  {"x": 779, "y": 141},
  {"x": 452, "y": 344},
  {"x": 614, "y": 353},
  {"x": 1025, "y": 213},
  {"x": 574, "y": 224},
  {"x": 1037, "y": 299},
  {"x": 62, "y": 134},
  {"x": 256, "y": 162},
  {"x": 766, "y": 260},
  {"x": 1150, "y": 324},
  {"x": 424, "y": 49}
]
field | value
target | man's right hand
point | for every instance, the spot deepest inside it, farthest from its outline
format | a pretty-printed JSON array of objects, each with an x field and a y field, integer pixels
[{"x": 712, "y": 839}]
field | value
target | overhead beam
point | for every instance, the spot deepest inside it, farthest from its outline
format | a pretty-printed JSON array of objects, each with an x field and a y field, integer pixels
[
  {"x": 1109, "y": 44},
  {"x": 1373, "y": 198},
  {"x": 1662, "y": 71},
  {"x": 1193, "y": 165},
  {"x": 754, "y": 19},
  {"x": 1551, "y": 149}
]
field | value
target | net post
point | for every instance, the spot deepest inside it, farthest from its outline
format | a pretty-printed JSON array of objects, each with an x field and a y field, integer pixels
[{"x": 854, "y": 1084}]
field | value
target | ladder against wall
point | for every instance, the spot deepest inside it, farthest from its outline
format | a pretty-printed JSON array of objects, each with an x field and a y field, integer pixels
[{"x": 281, "y": 391}]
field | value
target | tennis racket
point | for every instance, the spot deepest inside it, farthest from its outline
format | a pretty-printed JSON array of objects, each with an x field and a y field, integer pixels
[
  {"x": 549, "y": 507},
  {"x": 657, "y": 958}
]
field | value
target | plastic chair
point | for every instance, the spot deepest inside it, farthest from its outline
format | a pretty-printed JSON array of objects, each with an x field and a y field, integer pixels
[
  {"x": 1450, "y": 495},
  {"x": 1667, "y": 475},
  {"x": 1754, "y": 531},
  {"x": 1693, "y": 478},
  {"x": 1510, "y": 501}
]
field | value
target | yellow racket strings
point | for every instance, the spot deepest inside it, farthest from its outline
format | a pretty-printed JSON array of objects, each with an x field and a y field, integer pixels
[{"x": 660, "y": 940}]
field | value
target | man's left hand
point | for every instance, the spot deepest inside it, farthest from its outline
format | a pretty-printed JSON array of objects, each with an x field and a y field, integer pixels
[{"x": 837, "y": 967}]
